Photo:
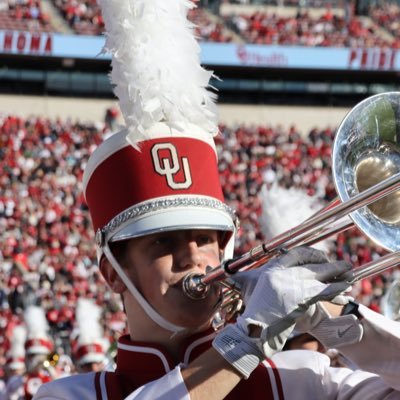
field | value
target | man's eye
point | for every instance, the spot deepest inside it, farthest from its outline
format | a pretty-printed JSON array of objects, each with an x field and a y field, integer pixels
[
  {"x": 205, "y": 239},
  {"x": 161, "y": 241}
]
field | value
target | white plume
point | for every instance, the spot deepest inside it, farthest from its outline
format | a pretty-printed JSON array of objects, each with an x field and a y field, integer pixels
[
  {"x": 36, "y": 322},
  {"x": 156, "y": 67},
  {"x": 88, "y": 320},
  {"x": 18, "y": 339},
  {"x": 283, "y": 209}
]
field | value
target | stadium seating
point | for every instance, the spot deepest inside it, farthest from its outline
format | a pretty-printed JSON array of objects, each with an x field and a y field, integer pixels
[
  {"x": 387, "y": 15},
  {"x": 303, "y": 29},
  {"x": 24, "y": 16},
  {"x": 320, "y": 24},
  {"x": 209, "y": 28},
  {"x": 83, "y": 16}
]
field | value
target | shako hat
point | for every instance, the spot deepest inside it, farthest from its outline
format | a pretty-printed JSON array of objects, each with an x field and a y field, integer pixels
[
  {"x": 38, "y": 341},
  {"x": 160, "y": 172},
  {"x": 170, "y": 182},
  {"x": 91, "y": 345}
]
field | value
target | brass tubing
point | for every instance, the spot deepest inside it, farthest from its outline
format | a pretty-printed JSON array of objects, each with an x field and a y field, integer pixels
[{"x": 196, "y": 286}]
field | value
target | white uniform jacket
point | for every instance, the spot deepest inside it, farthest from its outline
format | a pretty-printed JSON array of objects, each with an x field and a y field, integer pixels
[{"x": 145, "y": 371}]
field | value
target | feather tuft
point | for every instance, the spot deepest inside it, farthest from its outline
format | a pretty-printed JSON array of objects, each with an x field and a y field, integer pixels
[
  {"x": 88, "y": 321},
  {"x": 17, "y": 348},
  {"x": 156, "y": 69},
  {"x": 283, "y": 209},
  {"x": 36, "y": 322}
]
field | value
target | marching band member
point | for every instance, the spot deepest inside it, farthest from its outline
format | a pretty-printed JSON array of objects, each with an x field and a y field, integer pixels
[
  {"x": 282, "y": 209},
  {"x": 15, "y": 366},
  {"x": 90, "y": 346},
  {"x": 157, "y": 208},
  {"x": 38, "y": 350}
]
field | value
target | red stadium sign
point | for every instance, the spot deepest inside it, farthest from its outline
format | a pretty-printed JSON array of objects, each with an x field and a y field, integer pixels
[
  {"x": 17, "y": 42},
  {"x": 254, "y": 58},
  {"x": 372, "y": 58},
  {"x": 225, "y": 54}
]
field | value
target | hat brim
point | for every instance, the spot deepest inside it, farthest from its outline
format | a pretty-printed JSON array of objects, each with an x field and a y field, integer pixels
[
  {"x": 38, "y": 350},
  {"x": 92, "y": 358},
  {"x": 175, "y": 219}
]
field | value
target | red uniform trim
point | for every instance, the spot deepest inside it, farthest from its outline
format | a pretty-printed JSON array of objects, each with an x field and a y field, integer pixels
[
  {"x": 118, "y": 387},
  {"x": 136, "y": 366},
  {"x": 277, "y": 379}
]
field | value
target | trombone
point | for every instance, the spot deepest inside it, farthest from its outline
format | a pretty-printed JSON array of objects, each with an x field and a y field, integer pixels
[{"x": 366, "y": 172}]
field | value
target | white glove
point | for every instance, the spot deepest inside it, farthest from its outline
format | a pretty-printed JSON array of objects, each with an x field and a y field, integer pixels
[
  {"x": 332, "y": 332},
  {"x": 276, "y": 295}
]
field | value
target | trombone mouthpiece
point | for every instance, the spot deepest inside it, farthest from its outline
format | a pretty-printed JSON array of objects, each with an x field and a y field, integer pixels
[{"x": 194, "y": 288}]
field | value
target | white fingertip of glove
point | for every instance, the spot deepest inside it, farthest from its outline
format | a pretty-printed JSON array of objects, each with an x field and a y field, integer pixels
[
  {"x": 342, "y": 299},
  {"x": 332, "y": 332},
  {"x": 303, "y": 255},
  {"x": 335, "y": 271}
]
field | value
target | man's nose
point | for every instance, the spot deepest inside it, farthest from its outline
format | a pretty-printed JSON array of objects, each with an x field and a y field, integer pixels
[{"x": 189, "y": 255}]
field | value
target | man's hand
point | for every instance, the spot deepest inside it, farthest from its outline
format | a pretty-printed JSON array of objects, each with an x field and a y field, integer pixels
[
  {"x": 326, "y": 323},
  {"x": 275, "y": 296}
]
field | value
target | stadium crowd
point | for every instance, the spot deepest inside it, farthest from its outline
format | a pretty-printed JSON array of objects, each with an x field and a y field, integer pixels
[
  {"x": 24, "y": 15},
  {"x": 47, "y": 256},
  {"x": 84, "y": 17},
  {"x": 207, "y": 29},
  {"x": 387, "y": 15},
  {"x": 329, "y": 30}
]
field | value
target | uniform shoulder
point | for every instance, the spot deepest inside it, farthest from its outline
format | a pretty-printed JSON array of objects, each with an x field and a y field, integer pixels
[{"x": 81, "y": 386}]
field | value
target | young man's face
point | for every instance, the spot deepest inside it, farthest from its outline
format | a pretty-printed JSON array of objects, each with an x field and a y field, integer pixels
[{"x": 157, "y": 265}]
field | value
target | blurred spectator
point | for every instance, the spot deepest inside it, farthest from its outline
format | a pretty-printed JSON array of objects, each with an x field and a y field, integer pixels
[
  {"x": 111, "y": 118},
  {"x": 90, "y": 345}
]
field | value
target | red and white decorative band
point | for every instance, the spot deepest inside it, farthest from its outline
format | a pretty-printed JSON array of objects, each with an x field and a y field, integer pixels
[
  {"x": 38, "y": 343},
  {"x": 163, "y": 167},
  {"x": 83, "y": 350}
]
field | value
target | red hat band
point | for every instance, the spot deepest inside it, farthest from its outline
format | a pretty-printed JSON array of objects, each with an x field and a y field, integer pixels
[
  {"x": 38, "y": 346},
  {"x": 88, "y": 353},
  {"x": 85, "y": 349},
  {"x": 15, "y": 363}
]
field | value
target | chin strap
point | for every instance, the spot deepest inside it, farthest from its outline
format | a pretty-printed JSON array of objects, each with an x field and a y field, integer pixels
[{"x": 153, "y": 314}]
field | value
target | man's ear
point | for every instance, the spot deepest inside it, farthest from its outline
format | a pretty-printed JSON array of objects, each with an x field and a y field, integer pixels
[{"x": 111, "y": 277}]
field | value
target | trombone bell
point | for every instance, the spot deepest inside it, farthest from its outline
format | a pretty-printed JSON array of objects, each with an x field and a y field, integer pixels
[
  {"x": 366, "y": 151},
  {"x": 374, "y": 167}
]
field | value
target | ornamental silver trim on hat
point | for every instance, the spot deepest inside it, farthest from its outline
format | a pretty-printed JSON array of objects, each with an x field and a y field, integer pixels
[{"x": 151, "y": 208}]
